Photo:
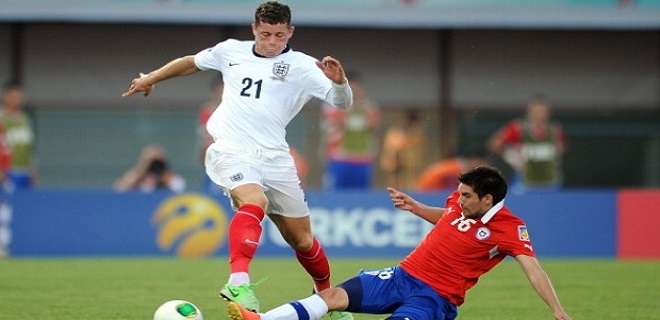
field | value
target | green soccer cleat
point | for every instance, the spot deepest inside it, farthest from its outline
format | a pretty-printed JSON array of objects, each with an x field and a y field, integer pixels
[
  {"x": 340, "y": 315},
  {"x": 242, "y": 295}
]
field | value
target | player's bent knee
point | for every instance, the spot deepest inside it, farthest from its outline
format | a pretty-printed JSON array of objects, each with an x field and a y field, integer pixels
[
  {"x": 353, "y": 291},
  {"x": 336, "y": 298}
]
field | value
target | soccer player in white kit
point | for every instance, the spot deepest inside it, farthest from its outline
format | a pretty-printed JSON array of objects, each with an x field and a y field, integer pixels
[{"x": 266, "y": 84}]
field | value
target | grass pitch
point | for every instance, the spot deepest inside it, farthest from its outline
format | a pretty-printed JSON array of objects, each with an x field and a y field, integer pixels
[{"x": 132, "y": 288}]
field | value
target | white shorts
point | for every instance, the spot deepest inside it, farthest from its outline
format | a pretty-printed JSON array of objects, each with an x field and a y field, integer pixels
[{"x": 230, "y": 165}]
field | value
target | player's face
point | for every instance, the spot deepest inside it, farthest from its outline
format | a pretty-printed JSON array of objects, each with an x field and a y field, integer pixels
[
  {"x": 538, "y": 112},
  {"x": 472, "y": 206},
  {"x": 271, "y": 39},
  {"x": 13, "y": 98}
]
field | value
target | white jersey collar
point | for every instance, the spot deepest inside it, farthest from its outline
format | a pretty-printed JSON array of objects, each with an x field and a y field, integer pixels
[{"x": 490, "y": 213}]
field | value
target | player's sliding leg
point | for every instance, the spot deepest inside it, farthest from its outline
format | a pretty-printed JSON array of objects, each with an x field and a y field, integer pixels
[{"x": 312, "y": 308}]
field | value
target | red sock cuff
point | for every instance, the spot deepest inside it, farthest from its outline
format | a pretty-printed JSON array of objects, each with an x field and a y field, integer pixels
[
  {"x": 313, "y": 251},
  {"x": 253, "y": 210}
]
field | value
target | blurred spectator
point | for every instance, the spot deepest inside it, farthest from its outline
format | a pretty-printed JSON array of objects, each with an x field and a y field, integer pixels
[
  {"x": 5, "y": 162},
  {"x": 6, "y": 211},
  {"x": 403, "y": 155},
  {"x": 349, "y": 140},
  {"x": 533, "y": 146},
  {"x": 19, "y": 136},
  {"x": 5, "y": 205},
  {"x": 443, "y": 174},
  {"x": 204, "y": 139},
  {"x": 5, "y": 226},
  {"x": 150, "y": 173}
]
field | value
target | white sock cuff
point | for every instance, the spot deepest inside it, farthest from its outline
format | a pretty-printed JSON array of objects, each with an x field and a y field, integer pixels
[
  {"x": 312, "y": 308},
  {"x": 239, "y": 278},
  {"x": 316, "y": 306}
]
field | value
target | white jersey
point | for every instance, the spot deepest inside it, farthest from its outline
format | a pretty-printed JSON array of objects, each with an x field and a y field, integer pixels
[{"x": 261, "y": 94}]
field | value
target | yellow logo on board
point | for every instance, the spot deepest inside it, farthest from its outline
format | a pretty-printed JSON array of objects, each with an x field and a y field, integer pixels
[{"x": 191, "y": 225}]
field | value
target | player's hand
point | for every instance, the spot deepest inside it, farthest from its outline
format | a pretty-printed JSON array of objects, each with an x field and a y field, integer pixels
[
  {"x": 332, "y": 69},
  {"x": 141, "y": 84},
  {"x": 401, "y": 200},
  {"x": 561, "y": 315}
]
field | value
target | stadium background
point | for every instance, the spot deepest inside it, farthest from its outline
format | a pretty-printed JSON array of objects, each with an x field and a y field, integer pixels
[{"x": 470, "y": 66}]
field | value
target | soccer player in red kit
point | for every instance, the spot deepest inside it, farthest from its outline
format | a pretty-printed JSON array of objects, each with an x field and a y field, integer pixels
[{"x": 472, "y": 234}]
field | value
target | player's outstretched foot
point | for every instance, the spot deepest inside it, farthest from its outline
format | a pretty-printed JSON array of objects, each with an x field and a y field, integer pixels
[
  {"x": 242, "y": 295},
  {"x": 236, "y": 312},
  {"x": 340, "y": 315}
]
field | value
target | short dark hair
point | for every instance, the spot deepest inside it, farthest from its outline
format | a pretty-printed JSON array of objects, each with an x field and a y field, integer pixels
[
  {"x": 485, "y": 180},
  {"x": 538, "y": 98},
  {"x": 273, "y": 12}
]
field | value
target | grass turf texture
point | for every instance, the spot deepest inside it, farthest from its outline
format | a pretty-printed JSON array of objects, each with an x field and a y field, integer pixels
[{"x": 132, "y": 288}]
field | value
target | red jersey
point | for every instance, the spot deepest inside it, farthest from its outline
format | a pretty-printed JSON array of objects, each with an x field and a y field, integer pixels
[
  {"x": 458, "y": 251},
  {"x": 514, "y": 132},
  {"x": 5, "y": 153}
]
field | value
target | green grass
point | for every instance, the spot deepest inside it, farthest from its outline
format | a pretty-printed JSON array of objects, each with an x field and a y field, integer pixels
[{"x": 132, "y": 288}]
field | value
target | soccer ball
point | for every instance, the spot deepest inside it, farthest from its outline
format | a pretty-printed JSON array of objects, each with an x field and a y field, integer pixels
[{"x": 178, "y": 310}]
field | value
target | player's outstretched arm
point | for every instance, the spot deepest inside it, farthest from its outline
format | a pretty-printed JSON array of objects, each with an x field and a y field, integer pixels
[
  {"x": 405, "y": 202},
  {"x": 541, "y": 283},
  {"x": 146, "y": 82}
]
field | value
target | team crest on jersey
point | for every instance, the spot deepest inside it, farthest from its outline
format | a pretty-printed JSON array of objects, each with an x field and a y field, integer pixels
[
  {"x": 523, "y": 235},
  {"x": 482, "y": 233},
  {"x": 280, "y": 70},
  {"x": 237, "y": 177}
]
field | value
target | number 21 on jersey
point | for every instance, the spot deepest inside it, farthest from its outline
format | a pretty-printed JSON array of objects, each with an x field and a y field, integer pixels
[{"x": 251, "y": 87}]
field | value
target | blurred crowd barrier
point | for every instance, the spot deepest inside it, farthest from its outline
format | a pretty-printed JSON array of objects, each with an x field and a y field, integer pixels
[
  {"x": 606, "y": 150},
  {"x": 572, "y": 224}
]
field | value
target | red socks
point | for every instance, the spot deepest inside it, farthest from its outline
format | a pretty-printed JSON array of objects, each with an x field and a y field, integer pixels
[
  {"x": 244, "y": 234},
  {"x": 316, "y": 263}
]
